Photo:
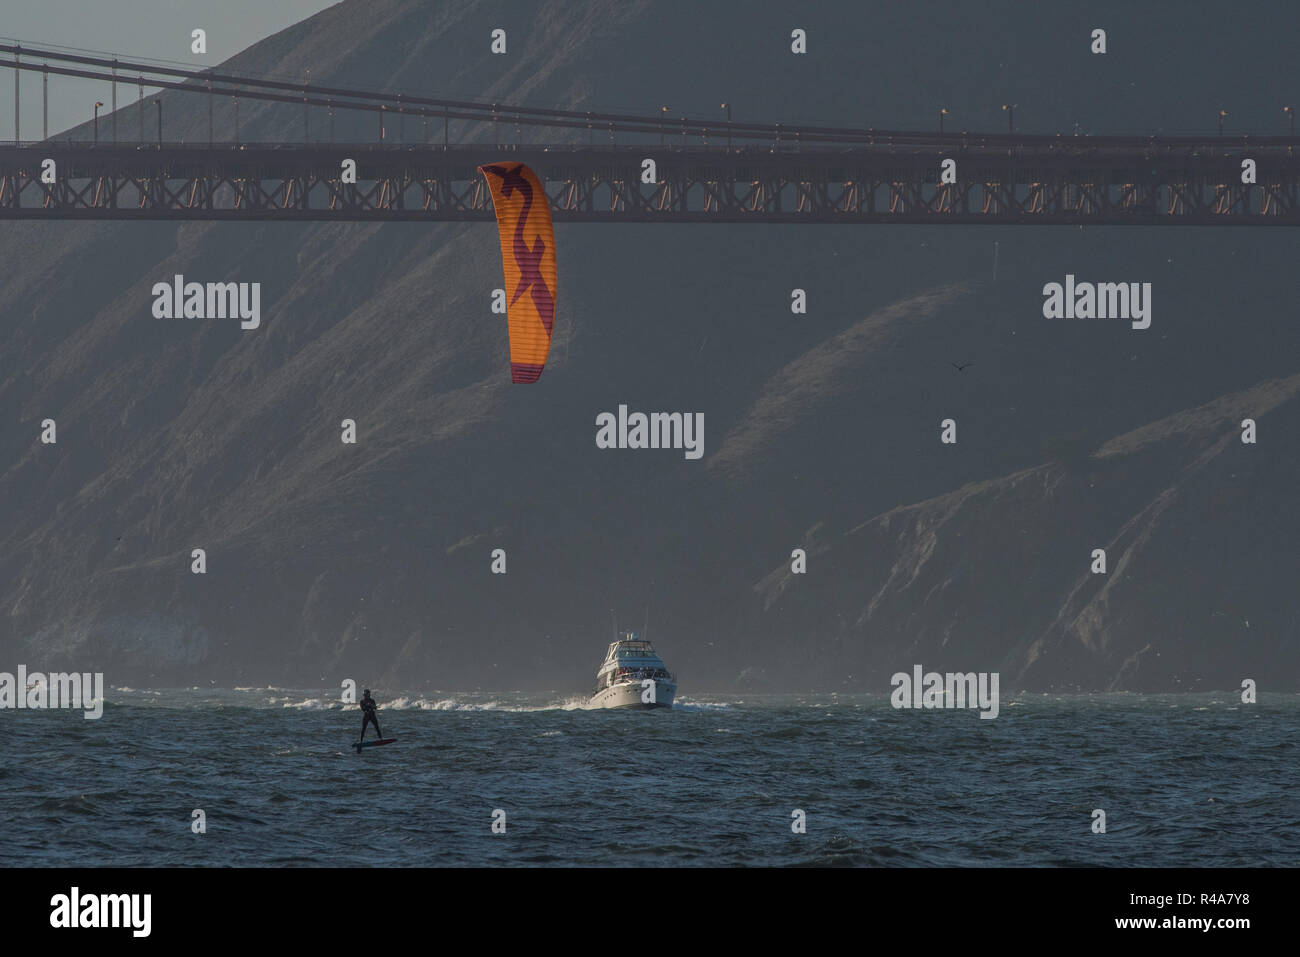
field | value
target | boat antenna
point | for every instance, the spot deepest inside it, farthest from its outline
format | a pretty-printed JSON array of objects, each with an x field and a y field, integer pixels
[
  {"x": 645, "y": 632},
  {"x": 613, "y": 624}
]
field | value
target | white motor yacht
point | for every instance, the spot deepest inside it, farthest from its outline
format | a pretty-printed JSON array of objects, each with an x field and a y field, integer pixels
[{"x": 633, "y": 676}]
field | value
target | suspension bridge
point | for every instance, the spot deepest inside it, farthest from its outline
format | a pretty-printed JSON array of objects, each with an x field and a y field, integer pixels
[{"x": 604, "y": 167}]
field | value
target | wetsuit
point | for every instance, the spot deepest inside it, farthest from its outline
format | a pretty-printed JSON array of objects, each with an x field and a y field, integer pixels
[{"x": 368, "y": 709}]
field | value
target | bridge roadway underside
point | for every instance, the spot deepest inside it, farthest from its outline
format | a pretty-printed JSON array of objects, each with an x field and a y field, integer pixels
[{"x": 1048, "y": 181}]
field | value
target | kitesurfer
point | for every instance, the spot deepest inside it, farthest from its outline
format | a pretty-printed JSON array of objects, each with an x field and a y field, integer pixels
[{"x": 368, "y": 709}]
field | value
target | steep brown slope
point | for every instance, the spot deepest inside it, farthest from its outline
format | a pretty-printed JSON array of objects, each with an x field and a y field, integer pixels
[
  {"x": 1192, "y": 520},
  {"x": 373, "y": 559}
]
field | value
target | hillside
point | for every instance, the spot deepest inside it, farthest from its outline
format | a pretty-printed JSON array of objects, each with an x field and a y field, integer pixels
[{"x": 372, "y": 560}]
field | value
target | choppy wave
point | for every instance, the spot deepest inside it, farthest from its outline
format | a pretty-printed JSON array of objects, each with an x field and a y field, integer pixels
[
  {"x": 431, "y": 703},
  {"x": 313, "y": 704},
  {"x": 690, "y": 704},
  {"x": 453, "y": 703},
  {"x": 1199, "y": 780},
  {"x": 330, "y": 699}
]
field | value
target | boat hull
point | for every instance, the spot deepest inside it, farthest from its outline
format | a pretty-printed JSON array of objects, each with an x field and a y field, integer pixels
[{"x": 629, "y": 694}]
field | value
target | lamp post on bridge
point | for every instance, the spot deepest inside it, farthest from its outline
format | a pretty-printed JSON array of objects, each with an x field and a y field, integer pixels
[
  {"x": 1222, "y": 114},
  {"x": 943, "y": 111},
  {"x": 1011, "y": 116},
  {"x": 97, "y": 106},
  {"x": 727, "y": 107},
  {"x": 1290, "y": 112},
  {"x": 663, "y": 110}
]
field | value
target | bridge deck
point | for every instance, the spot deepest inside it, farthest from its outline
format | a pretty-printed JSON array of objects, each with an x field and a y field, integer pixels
[{"x": 1000, "y": 179}]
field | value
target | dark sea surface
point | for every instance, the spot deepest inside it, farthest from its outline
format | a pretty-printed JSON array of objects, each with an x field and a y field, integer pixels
[{"x": 1185, "y": 780}]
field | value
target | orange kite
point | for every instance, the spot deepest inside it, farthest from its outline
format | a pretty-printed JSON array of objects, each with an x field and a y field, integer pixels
[{"x": 528, "y": 254}]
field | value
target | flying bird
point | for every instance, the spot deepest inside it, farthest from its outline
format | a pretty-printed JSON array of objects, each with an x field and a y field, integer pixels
[{"x": 961, "y": 368}]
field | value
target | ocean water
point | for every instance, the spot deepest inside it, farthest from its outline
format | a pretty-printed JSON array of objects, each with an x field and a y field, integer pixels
[{"x": 1185, "y": 780}]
